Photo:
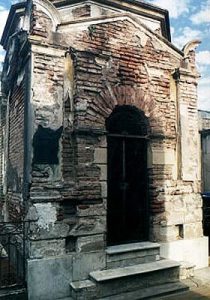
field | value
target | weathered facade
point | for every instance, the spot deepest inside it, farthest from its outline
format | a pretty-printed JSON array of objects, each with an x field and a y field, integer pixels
[{"x": 102, "y": 143}]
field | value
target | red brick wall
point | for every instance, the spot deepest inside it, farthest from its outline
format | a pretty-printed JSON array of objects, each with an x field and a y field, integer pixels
[
  {"x": 118, "y": 41},
  {"x": 16, "y": 129},
  {"x": 15, "y": 152}
]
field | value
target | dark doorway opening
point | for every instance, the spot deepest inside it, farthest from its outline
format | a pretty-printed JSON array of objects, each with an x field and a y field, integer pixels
[{"x": 127, "y": 204}]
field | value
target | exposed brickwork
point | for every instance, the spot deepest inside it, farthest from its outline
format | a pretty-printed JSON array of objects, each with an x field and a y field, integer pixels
[
  {"x": 15, "y": 153},
  {"x": 80, "y": 74},
  {"x": 129, "y": 65},
  {"x": 14, "y": 205},
  {"x": 16, "y": 133},
  {"x": 107, "y": 72},
  {"x": 125, "y": 68},
  {"x": 41, "y": 24}
]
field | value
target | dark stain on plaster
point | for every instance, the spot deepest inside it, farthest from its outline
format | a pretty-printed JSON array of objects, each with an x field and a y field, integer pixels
[
  {"x": 13, "y": 179},
  {"x": 46, "y": 145},
  {"x": 82, "y": 12}
]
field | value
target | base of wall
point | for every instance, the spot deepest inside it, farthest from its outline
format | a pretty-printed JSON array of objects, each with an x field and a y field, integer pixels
[
  {"x": 194, "y": 251},
  {"x": 48, "y": 278}
]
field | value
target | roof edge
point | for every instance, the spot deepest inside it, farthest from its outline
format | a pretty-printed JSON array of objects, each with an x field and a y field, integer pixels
[
  {"x": 10, "y": 20},
  {"x": 165, "y": 23}
]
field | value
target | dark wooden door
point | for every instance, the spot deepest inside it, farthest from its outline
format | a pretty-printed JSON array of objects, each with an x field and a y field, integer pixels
[{"x": 127, "y": 206}]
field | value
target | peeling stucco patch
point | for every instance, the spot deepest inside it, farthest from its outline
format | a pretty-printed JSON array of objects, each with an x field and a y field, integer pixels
[{"x": 47, "y": 215}]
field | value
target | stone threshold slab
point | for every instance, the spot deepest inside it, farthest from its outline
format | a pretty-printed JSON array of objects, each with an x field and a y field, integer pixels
[
  {"x": 117, "y": 273},
  {"x": 131, "y": 247}
]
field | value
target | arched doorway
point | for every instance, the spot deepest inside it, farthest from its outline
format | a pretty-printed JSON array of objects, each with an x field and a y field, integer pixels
[{"x": 127, "y": 204}]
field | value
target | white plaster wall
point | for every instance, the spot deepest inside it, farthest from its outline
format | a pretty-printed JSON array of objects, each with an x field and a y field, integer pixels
[{"x": 194, "y": 251}]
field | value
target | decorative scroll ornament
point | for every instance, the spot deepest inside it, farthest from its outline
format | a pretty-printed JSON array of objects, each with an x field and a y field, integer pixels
[
  {"x": 49, "y": 9},
  {"x": 190, "y": 46}
]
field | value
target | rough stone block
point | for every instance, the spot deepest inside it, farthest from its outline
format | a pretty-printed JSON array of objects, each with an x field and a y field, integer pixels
[
  {"x": 163, "y": 233},
  {"x": 56, "y": 230},
  {"x": 89, "y": 226},
  {"x": 162, "y": 157},
  {"x": 100, "y": 156},
  {"x": 193, "y": 230},
  {"x": 103, "y": 176},
  {"x": 90, "y": 243},
  {"x": 104, "y": 189},
  {"x": 91, "y": 210},
  {"x": 45, "y": 248},
  {"x": 194, "y": 215}
]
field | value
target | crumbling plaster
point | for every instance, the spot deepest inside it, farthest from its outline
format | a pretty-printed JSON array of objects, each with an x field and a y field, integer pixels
[{"x": 80, "y": 70}]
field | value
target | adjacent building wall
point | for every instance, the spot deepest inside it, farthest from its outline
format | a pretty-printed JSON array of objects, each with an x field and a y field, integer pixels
[
  {"x": 3, "y": 139},
  {"x": 204, "y": 127}
]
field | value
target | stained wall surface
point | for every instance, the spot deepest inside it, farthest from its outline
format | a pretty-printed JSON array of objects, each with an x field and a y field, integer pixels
[{"x": 83, "y": 61}]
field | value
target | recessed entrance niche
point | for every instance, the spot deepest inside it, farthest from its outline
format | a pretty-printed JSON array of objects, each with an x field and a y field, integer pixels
[{"x": 127, "y": 204}]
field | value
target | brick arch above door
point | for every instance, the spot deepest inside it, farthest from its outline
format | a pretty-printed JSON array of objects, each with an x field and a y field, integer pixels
[{"x": 136, "y": 96}]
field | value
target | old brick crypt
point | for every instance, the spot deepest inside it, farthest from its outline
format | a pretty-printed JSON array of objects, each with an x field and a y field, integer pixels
[{"x": 100, "y": 149}]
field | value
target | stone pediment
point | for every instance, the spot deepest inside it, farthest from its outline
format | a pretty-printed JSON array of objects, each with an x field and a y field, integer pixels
[
  {"x": 154, "y": 17},
  {"x": 142, "y": 31}
]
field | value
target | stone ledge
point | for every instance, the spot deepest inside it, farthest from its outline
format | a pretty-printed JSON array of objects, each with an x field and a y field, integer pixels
[{"x": 117, "y": 273}]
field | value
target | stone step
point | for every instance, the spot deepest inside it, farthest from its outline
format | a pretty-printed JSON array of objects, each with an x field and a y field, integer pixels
[
  {"x": 143, "y": 293},
  {"x": 151, "y": 292},
  {"x": 117, "y": 273},
  {"x": 132, "y": 254},
  {"x": 131, "y": 280},
  {"x": 82, "y": 284},
  {"x": 84, "y": 290}
]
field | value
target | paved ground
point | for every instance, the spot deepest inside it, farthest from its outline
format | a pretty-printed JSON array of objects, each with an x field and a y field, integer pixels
[{"x": 199, "y": 287}]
